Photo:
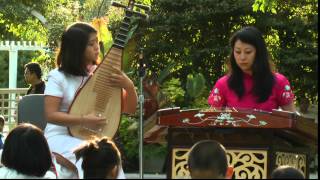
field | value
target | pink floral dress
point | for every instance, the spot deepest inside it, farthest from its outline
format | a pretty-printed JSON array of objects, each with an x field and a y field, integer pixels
[{"x": 222, "y": 96}]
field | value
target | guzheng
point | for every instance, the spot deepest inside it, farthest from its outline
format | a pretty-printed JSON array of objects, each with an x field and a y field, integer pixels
[
  {"x": 193, "y": 118},
  {"x": 97, "y": 96}
]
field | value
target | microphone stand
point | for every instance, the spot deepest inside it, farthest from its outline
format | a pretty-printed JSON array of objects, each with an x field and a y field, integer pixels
[{"x": 141, "y": 101}]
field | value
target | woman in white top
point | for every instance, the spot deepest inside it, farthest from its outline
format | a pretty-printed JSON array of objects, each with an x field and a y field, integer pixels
[{"x": 77, "y": 58}]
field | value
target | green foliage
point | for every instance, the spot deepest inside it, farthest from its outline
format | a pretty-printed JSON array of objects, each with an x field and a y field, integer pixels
[
  {"x": 129, "y": 137},
  {"x": 59, "y": 16},
  {"x": 94, "y": 9},
  {"x": 26, "y": 32},
  {"x": 165, "y": 73},
  {"x": 130, "y": 140},
  {"x": 173, "y": 91},
  {"x": 292, "y": 38},
  {"x": 195, "y": 85},
  {"x": 194, "y": 36},
  {"x": 265, "y": 6},
  {"x": 4, "y": 68},
  {"x": 17, "y": 21},
  {"x": 196, "y": 91},
  {"x": 200, "y": 103},
  {"x": 154, "y": 150},
  {"x": 46, "y": 61}
]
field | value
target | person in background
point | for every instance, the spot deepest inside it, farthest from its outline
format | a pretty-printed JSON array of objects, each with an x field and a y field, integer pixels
[
  {"x": 101, "y": 159},
  {"x": 287, "y": 172},
  {"x": 32, "y": 75},
  {"x": 207, "y": 159},
  {"x": 251, "y": 83}
]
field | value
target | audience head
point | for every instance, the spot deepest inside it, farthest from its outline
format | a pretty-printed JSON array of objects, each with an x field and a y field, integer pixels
[
  {"x": 208, "y": 160},
  {"x": 26, "y": 150},
  {"x": 287, "y": 172},
  {"x": 101, "y": 159},
  {"x": 32, "y": 72}
]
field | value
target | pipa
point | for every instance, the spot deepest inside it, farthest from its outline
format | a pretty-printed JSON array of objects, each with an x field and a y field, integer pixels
[{"x": 97, "y": 96}]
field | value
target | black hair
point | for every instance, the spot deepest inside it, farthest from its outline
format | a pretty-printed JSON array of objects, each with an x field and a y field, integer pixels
[
  {"x": 2, "y": 120},
  {"x": 74, "y": 41},
  {"x": 34, "y": 67},
  {"x": 99, "y": 156},
  {"x": 208, "y": 155},
  {"x": 263, "y": 77},
  {"x": 26, "y": 150},
  {"x": 287, "y": 172}
]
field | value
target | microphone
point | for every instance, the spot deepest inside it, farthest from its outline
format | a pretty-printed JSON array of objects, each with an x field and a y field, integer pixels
[{"x": 141, "y": 65}]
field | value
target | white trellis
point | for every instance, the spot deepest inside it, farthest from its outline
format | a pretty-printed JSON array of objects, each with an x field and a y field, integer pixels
[{"x": 13, "y": 47}]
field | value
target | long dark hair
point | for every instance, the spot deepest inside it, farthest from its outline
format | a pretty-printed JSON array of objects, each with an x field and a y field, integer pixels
[
  {"x": 263, "y": 78},
  {"x": 74, "y": 41},
  {"x": 34, "y": 67},
  {"x": 99, "y": 156},
  {"x": 26, "y": 150}
]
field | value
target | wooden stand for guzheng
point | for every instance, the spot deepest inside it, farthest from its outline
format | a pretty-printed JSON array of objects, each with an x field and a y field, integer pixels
[{"x": 256, "y": 142}]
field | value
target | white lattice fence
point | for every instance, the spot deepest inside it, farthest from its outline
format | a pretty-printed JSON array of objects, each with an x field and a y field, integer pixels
[{"x": 9, "y": 99}]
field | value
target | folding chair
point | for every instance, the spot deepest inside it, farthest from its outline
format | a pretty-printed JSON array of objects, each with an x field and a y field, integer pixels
[{"x": 31, "y": 110}]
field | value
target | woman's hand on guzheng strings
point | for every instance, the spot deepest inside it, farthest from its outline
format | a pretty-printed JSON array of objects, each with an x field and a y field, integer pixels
[{"x": 119, "y": 79}]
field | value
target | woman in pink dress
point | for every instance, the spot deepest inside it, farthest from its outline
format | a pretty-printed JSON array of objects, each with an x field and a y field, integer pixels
[{"x": 251, "y": 83}]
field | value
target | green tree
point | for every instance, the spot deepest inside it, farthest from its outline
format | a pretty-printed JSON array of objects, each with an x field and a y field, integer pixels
[
  {"x": 195, "y": 36},
  {"x": 42, "y": 21},
  {"x": 293, "y": 30},
  {"x": 192, "y": 34}
]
